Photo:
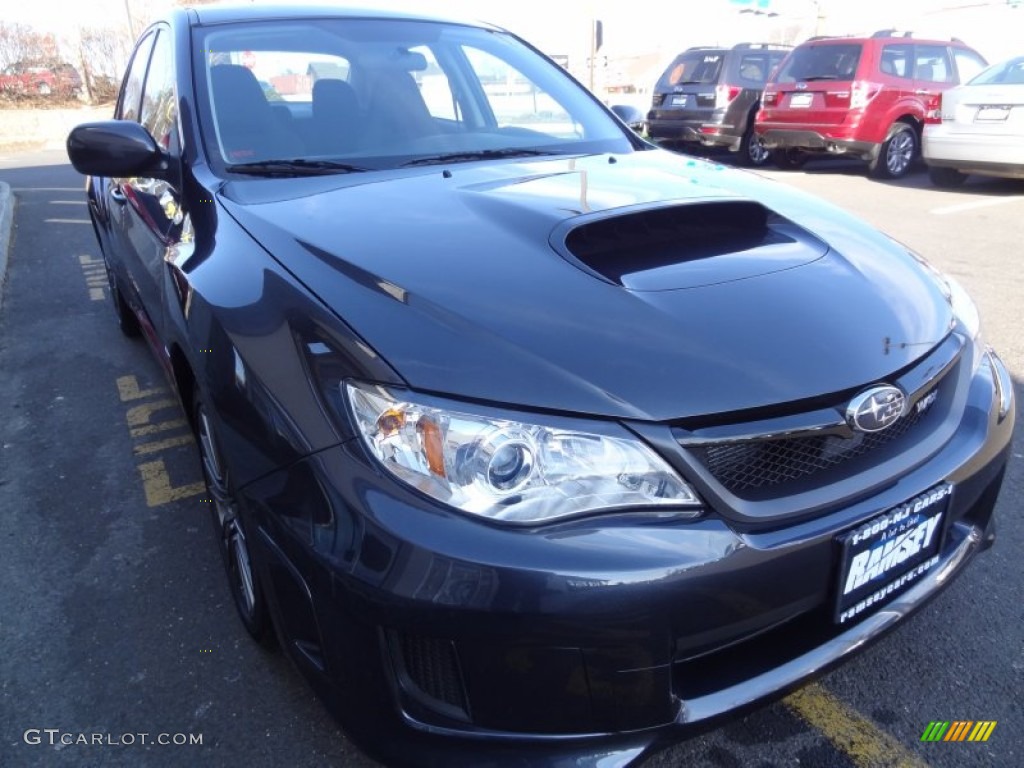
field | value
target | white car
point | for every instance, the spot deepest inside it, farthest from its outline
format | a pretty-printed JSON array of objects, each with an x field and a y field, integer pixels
[{"x": 978, "y": 127}]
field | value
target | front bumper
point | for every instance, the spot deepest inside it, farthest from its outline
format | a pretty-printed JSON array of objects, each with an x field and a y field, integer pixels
[{"x": 453, "y": 640}]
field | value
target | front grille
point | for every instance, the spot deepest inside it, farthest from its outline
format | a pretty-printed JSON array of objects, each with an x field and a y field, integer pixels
[
  {"x": 431, "y": 665},
  {"x": 754, "y": 464}
]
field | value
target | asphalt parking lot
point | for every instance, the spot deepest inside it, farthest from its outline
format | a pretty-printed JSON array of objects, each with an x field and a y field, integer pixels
[{"x": 115, "y": 617}]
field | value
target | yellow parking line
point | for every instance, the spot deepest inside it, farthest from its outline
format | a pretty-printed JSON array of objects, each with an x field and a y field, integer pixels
[
  {"x": 157, "y": 485},
  {"x": 863, "y": 741},
  {"x": 160, "y": 445},
  {"x": 162, "y": 426},
  {"x": 128, "y": 389}
]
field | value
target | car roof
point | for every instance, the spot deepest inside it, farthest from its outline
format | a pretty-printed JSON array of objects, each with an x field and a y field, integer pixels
[
  {"x": 880, "y": 39},
  {"x": 228, "y": 13}
]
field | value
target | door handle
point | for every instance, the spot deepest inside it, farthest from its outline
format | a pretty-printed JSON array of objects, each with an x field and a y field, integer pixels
[{"x": 116, "y": 194}]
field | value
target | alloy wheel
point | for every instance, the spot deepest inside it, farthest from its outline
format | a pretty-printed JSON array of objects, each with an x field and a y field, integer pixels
[
  {"x": 900, "y": 152},
  {"x": 233, "y": 544}
]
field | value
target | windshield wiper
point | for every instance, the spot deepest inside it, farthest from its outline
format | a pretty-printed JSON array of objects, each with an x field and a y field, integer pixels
[
  {"x": 296, "y": 167},
  {"x": 819, "y": 77},
  {"x": 480, "y": 154}
]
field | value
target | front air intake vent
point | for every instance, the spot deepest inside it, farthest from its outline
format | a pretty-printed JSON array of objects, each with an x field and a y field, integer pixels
[
  {"x": 688, "y": 245},
  {"x": 428, "y": 672}
]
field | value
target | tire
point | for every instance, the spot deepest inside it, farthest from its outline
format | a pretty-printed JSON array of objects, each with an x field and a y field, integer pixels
[
  {"x": 126, "y": 319},
  {"x": 752, "y": 153},
  {"x": 947, "y": 178},
  {"x": 897, "y": 154},
  {"x": 232, "y": 537},
  {"x": 788, "y": 159},
  {"x": 44, "y": 89}
]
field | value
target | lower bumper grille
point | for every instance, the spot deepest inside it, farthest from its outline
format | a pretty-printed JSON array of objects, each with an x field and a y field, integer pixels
[{"x": 428, "y": 671}]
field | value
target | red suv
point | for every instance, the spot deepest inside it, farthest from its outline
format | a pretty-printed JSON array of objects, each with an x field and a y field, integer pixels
[{"x": 864, "y": 97}]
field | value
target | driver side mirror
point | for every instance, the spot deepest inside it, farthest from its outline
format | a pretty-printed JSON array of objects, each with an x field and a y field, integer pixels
[{"x": 116, "y": 149}]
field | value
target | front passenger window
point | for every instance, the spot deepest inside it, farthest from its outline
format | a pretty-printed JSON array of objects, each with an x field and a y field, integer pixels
[
  {"x": 131, "y": 90},
  {"x": 159, "y": 107}
]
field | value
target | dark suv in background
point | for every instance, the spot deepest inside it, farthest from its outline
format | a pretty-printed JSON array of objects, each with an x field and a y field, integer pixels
[
  {"x": 709, "y": 96},
  {"x": 864, "y": 97}
]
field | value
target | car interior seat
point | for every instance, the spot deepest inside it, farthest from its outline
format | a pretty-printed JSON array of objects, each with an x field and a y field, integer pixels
[
  {"x": 247, "y": 128},
  {"x": 336, "y": 119}
]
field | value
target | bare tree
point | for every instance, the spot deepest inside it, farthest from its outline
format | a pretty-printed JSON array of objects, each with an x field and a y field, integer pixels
[
  {"x": 19, "y": 43},
  {"x": 103, "y": 54}
]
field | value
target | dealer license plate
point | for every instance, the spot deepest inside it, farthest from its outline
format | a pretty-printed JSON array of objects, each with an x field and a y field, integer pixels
[
  {"x": 992, "y": 114},
  {"x": 887, "y": 554},
  {"x": 801, "y": 100}
]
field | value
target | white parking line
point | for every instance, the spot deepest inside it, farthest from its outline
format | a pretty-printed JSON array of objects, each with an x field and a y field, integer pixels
[
  {"x": 48, "y": 189},
  {"x": 66, "y": 202},
  {"x": 67, "y": 221},
  {"x": 975, "y": 204}
]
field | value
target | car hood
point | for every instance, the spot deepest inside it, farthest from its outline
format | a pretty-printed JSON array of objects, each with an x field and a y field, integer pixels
[{"x": 460, "y": 277}]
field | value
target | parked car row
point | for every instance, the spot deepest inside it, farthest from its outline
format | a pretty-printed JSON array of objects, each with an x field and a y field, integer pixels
[{"x": 874, "y": 98}]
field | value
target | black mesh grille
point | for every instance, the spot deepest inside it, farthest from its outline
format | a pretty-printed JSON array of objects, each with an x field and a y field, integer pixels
[
  {"x": 763, "y": 463},
  {"x": 433, "y": 666}
]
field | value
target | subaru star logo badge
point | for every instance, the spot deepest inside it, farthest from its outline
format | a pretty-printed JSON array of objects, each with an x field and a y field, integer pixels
[
  {"x": 801, "y": 86},
  {"x": 875, "y": 409}
]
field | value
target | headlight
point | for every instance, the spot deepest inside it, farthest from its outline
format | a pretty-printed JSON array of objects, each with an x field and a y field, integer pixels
[{"x": 507, "y": 470}]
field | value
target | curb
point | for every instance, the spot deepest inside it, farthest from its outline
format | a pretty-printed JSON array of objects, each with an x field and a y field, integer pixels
[{"x": 6, "y": 222}]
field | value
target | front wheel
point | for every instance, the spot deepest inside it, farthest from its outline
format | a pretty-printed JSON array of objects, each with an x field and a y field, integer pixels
[
  {"x": 752, "y": 152},
  {"x": 232, "y": 536},
  {"x": 897, "y": 153},
  {"x": 946, "y": 177},
  {"x": 126, "y": 319}
]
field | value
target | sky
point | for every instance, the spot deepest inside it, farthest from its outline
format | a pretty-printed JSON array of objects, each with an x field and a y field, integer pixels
[{"x": 560, "y": 26}]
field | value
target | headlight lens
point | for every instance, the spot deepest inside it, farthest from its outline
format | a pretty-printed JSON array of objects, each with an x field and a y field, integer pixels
[{"x": 507, "y": 470}]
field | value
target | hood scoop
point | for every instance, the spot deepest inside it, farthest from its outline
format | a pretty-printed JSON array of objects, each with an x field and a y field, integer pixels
[{"x": 685, "y": 245}]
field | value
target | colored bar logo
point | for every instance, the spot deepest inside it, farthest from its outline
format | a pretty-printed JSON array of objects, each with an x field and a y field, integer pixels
[{"x": 958, "y": 730}]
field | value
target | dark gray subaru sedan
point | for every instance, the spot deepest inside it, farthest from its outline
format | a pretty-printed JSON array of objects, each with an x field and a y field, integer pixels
[{"x": 529, "y": 442}]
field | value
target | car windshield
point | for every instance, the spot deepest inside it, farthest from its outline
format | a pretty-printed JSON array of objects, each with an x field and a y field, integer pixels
[
  {"x": 821, "y": 62},
  {"x": 1004, "y": 73},
  {"x": 692, "y": 67},
  {"x": 373, "y": 94}
]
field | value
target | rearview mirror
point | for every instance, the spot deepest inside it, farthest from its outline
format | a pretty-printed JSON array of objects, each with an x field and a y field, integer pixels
[{"x": 115, "y": 149}]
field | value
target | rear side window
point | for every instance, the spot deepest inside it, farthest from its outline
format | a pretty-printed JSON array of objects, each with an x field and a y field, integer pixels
[
  {"x": 931, "y": 64},
  {"x": 693, "y": 67},
  {"x": 821, "y": 62},
  {"x": 968, "y": 64},
  {"x": 897, "y": 61},
  {"x": 753, "y": 68}
]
